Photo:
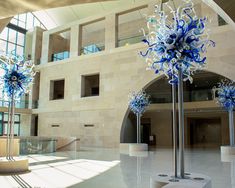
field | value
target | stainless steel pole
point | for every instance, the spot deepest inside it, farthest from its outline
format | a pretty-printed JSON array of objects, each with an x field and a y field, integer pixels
[
  {"x": 12, "y": 121},
  {"x": 181, "y": 121},
  {"x": 139, "y": 128},
  {"x": 137, "y": 117},
  {"x": 231, "y": 127},
  {"x": 8, "y": 132},
  {"x": 175, "y": 132}
]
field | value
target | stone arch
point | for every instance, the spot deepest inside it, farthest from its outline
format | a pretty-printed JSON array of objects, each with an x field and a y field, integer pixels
[{"x": 124, "y": 126}]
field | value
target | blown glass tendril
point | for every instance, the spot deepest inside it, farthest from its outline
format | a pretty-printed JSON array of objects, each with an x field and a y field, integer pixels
[
  {"x": 226, "y": 94},
  {"x": 176, "y": 39},
  {"x": 138, "y": 102},
  {"x": 16, "y": 75}
]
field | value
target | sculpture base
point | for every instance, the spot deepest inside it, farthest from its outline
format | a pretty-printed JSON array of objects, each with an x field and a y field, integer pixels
[
  {"x": 14, "y": 167},
  {"x": 191, "y": 181},
  {"x": 131, "y": 148},
  {"x": 138, "y": 147},
  {"x": 227, "y": 150}
]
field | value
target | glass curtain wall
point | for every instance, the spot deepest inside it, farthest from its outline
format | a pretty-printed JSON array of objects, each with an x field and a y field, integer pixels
[{"x": 12, "y": 40}]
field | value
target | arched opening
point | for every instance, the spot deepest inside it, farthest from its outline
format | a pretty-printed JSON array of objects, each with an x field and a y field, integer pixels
[{"x": 206, "y": 124}]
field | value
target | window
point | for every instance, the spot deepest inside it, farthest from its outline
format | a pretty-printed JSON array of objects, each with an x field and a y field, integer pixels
[
  {"x": 93, "y": 37},
  {"x": 221, "y": 21},
  {"x": 56, "y": 89},
  {"x": 12, "y": 40},
  {"x": 90, "y": 85},
  {"x": 4, "y": 124},
  {"x": 13, "y": 35},
  {"x": 129, "y": 24},
  {"x": 59, "y": 45}
]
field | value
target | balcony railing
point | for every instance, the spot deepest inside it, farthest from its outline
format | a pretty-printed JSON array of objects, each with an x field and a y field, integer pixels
[
  {"x": 93, "y": 48},
  {"x": 130, "y": 40},
  {"x": 60, "y": 56},
  {"x": 20, "y": 104},
  {"x": 189, "y": 96}
]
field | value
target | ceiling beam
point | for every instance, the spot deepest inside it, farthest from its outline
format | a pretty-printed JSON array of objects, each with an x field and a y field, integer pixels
[
  {"x": 11, "y": 8},
  {"x": 4, "y": 22},
  {"x": 228, "y": 6}
]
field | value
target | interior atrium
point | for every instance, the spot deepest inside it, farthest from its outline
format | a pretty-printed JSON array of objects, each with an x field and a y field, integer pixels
[{"x": 71, "y": 74}]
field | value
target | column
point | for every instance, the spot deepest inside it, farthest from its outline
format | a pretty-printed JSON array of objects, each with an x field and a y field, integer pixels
[
  {"x": 110, "y": 31},
  {"x": 45, "y": 48},
  {"x": 74, "y": 37}
]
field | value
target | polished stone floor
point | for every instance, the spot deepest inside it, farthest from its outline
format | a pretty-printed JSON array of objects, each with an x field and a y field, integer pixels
[{"x": 107, "y": 168}]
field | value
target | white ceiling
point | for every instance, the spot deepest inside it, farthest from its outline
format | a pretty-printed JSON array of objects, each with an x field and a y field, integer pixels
[{"x": 58, "y": 16}]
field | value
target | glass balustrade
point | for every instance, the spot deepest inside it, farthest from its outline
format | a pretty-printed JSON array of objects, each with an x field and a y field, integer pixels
[
  {"x": 93, "y": 48},
  {"x": 60, "y": 56},
  {"x": 189, "y": 96},
  {"x": 37, "y": 145},
  {"x": 20, "y": 104},
  {"x": 130, "y": 40}
]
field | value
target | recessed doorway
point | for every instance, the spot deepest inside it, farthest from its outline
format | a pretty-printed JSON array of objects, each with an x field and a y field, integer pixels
[{"x": 204, "y": 132}]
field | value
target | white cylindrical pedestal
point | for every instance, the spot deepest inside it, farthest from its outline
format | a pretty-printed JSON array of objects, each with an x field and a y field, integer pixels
[
  {"x": 227, "y": 150},
  {"x": 133, "y": 149},
  {"x": 14, "y": 167},
  {"x": 138, "y": 147}
]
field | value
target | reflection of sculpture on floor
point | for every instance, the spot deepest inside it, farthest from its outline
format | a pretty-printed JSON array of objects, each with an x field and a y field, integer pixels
[
  {"x": 15, "y": 81},
  {"x": 174, "y": 48},
  {"x": 138, "y": 103}
]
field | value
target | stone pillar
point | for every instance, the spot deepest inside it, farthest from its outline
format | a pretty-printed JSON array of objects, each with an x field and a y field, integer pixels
[
  {"x": 74, "y": 36},
  {"x": 46, "y": 51},
  {"x": 37, "y": 45},
  {"x": 30, "y": 99},
  {"x": 79, "y": 39},
  {"x": 110, "y": 31}
]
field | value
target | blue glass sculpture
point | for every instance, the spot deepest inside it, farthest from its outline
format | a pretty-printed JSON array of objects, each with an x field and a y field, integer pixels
[
  {"x": 15, "y": 81},
  {"x": 176, "y": 40},
  {"x": 226, "y": 99},
  {"x": 226, "y": 94},
  {"x": 138, "y": 102}
]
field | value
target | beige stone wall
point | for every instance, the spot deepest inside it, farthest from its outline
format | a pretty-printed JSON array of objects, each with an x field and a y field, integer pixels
[
  {"x": 161, "y": 126},
  {"x": 121, "y": 71},
  {"x": 25, "y": 122}
]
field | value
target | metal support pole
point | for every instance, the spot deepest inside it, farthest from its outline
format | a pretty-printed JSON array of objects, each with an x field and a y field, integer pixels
[
  {"x": 231, "y": 127},
  {"x": 175, "y": 132},
  {"x": 8, "y": 133},
  {"x": 11, "y": 126},
  {"x": 181, "y": 122},
  {"x": 137, "y": 118},
  {"x": 139, "y": 128}
]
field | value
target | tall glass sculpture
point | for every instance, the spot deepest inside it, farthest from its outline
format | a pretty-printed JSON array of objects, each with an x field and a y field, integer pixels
[
  {"x": 138, "y": 102},
  {"x": 226, "y": 99},
  {"x": 15, "y": 80},
  {"x": 176, "y": 40}
]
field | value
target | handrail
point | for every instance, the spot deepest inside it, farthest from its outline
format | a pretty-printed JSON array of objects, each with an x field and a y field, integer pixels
[{"x": 19, "y": 104}]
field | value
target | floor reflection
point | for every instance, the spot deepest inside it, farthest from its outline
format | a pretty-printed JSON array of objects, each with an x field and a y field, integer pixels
[{"x": 106, "y": 168}]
